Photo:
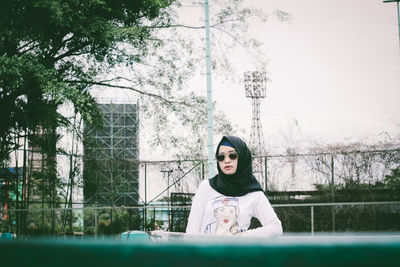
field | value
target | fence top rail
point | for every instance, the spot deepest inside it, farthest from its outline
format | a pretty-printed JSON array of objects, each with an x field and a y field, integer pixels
[
  {"x": 338, "y": 204},
  {"x": 333, "y": 153},
  {"x": 337, "y": 191},
  {"x": 189, "y": 206},
  {"x": 322, "y": 153}
]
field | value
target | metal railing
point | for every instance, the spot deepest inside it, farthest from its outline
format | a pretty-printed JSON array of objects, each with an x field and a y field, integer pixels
[
  {"x": 280, "y": 173},
  {"x": 309, "y": 218}
]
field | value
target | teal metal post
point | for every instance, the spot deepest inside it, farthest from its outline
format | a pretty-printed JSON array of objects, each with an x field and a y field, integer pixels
[
  {"x": 398, "y": 14},
  {"x": 312, "y": 220},
  {"x": 145, "y": 197},
  {"x": 209, "y": 96},
  {"x": 398, "y": 20},
  {"x": 333, "y": 192}
]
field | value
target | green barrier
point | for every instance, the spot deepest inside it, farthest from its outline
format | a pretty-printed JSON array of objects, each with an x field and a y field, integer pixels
[{"x": 283, "y": 251}]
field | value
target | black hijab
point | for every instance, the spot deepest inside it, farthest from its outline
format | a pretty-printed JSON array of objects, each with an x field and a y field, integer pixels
[{"x": 242, "y": 181}]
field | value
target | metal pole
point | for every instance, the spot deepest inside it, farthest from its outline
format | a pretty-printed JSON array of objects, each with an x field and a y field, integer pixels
[
  {"x": 312, "y": 220},
  {"x": 209, "y": 96},
  {"x": 333, "y": 192},
  {"x": 145, "y": 197},
  {"x": 266, "y": 175},
  {"x": 154, "y": 217},
  {"x": 95, "y": 224},
  {"x": 398, "y": 15},
  {"x": 202, "y": 170},
  {"x": 398, "y": 21},
  {"x": 169, "y": 204}
]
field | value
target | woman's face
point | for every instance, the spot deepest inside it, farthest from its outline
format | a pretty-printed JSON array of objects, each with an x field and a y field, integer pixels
[
  {"x": 226, "y": 215},
  {"x": 228, "y": 165}
]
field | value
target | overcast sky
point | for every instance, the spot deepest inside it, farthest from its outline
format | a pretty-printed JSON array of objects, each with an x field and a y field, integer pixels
[{"x": 334, "y": 73}]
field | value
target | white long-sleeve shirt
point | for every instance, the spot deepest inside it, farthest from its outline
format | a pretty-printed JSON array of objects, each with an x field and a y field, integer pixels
[{"x": 214, "y": 213}]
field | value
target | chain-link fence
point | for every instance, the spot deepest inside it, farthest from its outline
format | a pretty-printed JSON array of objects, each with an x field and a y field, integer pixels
[
  {"x": 158, "y": 179},
  {"x": 293, "y": 178},
  {"x": 340, "y": 217},
  {"x": 101, "y": 222},
  {"x": 296, "y": 172},
  {"x": 282, "y": 173}
]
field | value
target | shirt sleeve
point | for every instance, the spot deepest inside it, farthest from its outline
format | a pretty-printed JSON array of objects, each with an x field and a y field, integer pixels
[
  {"x": 263, "y": 211},
  {"x": 197, "y": 209}
]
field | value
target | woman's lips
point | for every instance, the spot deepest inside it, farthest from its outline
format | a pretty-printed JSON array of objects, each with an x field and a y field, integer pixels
[{"x": 228, "y": 167}]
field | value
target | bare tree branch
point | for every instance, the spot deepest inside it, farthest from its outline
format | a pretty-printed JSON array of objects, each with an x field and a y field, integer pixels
[{"x": 161, "y": 98}]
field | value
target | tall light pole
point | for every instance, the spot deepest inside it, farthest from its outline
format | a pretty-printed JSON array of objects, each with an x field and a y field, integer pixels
[
  {"x": 209, "y": 96},
  {"x": 398, "y": 15},
  {"x": 255, "y": 87}
]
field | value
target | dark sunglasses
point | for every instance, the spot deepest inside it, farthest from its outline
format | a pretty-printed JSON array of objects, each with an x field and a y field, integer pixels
[{"x": 231, "y": 155}]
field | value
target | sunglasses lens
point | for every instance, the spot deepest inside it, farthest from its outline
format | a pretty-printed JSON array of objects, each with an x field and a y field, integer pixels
[
  {"x": 220, "y": 157},
  {"x": 233, "y": 155}
]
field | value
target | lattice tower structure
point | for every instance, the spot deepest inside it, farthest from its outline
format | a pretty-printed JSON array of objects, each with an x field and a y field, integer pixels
[
  {"x": 111, "y": 157},
  {"x": 255, "y": 87}
]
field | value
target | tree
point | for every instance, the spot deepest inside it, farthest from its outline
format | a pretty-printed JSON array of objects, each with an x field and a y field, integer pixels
[
  {"x": 55, "y": 51},
  {"x": 359, "y": 170},
  {"x": 50, "y": 51},
  {"x": 184, "y": 126},
  {"x": 392, "y": 181}
]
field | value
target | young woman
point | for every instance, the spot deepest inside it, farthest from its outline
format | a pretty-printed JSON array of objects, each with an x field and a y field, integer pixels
[{"x": 225, "y": 204}]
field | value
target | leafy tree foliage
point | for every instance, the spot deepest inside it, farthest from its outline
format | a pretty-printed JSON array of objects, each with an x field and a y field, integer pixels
[
  {"x": 51, "y": 50},
  {"x": 51, "y": 53},
  {"x": 391, "y": 181},
  {"x": 56, "y": 51}
]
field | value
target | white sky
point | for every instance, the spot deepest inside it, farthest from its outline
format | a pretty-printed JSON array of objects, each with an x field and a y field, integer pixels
[
  {"x": 334, "y": 69},
  {"x": 334, "y": 74}
]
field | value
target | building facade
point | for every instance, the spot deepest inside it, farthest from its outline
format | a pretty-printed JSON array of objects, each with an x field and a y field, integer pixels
[{"x": 111, "y": 154}]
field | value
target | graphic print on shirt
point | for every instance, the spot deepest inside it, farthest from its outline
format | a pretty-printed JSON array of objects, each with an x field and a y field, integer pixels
[{"x": 226, "y": 213}]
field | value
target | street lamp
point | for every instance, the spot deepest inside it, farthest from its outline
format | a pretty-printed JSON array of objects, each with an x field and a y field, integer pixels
[{"x": 398, "y": 14}]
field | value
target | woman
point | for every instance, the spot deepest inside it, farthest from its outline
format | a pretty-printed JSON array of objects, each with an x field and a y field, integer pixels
[{"x": 225, "y": 204}]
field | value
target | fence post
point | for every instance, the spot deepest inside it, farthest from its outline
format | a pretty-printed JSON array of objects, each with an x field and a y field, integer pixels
[
  {"x": 266, "y": 174},
  {"x": 312, "y": 220},
  {"x": 202, "y": 170},
  {"x": 145, "y": 197},
  {"x": 154, "y": 217},
  {"x": 95, "y": 222},
  {"x": 333, "y": 192}
]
